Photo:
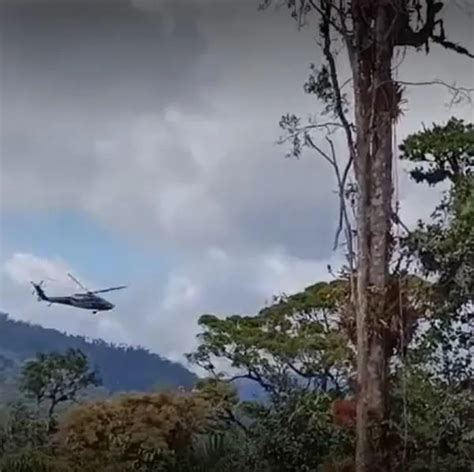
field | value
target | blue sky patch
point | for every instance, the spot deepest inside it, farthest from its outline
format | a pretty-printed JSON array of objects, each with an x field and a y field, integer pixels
[{"x": 88, "y": 247}]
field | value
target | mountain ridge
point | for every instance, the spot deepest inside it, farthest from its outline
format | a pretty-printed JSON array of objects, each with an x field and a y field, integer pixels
[{"x": 122, "y": 368}]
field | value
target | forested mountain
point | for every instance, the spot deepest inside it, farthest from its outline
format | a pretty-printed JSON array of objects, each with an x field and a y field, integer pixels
[{"x": 122, "y": 368}]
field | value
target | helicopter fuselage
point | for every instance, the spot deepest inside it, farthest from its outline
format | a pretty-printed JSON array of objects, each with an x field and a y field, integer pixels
[{"x": 85, "y": 301}]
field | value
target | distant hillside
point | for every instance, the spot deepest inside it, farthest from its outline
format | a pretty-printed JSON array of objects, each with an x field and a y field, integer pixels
[{"x": 122, "y": 368}]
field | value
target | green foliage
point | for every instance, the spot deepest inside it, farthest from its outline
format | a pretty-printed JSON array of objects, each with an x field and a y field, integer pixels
[
  {"x": 122, "y": 368},
  {"x": 228, "y": 451},
  {"x": 222, "y": 397},
  {"x": 21, "y": 428},
  {"x": 24, "y": 442},
  {"x": 436, "y": 433},
  {"x": 8, "y": 379},
  {"x": 442, "y": 152},
  {"x": 443, "y": 248},
  {"x": 31, "y": 460},
  {"x": 297, "y": 350},
  {"x": 298, "y": 337},
  {"x": 299, "y": 434},
  {"x": 319, "y": 83},
  {"x": 57, "y": 378},
  {"x": 154, "y": 432}
]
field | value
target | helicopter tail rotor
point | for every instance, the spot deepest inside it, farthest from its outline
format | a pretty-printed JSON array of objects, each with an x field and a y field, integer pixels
[{"x": 38, "y": 290}]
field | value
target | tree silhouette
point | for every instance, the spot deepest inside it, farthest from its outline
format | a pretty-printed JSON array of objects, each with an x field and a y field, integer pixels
[{"x": 56, "y": 378}]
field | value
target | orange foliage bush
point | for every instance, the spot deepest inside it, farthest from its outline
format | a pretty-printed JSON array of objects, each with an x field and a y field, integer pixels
[{"x": 132, "y": 429}]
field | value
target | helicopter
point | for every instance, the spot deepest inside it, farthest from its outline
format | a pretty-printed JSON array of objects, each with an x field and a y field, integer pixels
[{"x": 87, "y": 300}]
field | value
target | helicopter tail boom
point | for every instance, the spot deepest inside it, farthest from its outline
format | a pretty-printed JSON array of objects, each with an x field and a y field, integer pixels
[{"x": 39, "y": 291}]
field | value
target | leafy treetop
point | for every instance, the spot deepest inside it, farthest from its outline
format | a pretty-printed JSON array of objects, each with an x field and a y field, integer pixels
[{"x": 57, "y": 378}]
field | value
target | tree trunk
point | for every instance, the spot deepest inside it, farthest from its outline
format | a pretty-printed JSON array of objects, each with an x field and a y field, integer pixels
[
  {"x": 51, "y": 418},
  {"x": 374, "y": 111}
]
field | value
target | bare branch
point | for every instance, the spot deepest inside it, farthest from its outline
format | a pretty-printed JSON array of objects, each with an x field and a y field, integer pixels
[
  {"x": 299, "y": 372},
  {"x": 313, "y": 126},
  {"x": 346, "y": 82},
  {"x": 241, "y": 377},
  {"x": 398, "y": 221},
  {"x": 253, "y": 375},
  {"x": 340, "y": 184},
  {"x": 340, "y": 29},
  {"x": 325, "y": 30},
  {"x": 343, "y": 214},
  {"x": 324, "y": 154},
  {"x": 341, "y": 179},
  {"x": 453, "y": 46},
  {"x": 457, "y": 92},
  {"x": 300, "y": 136}
]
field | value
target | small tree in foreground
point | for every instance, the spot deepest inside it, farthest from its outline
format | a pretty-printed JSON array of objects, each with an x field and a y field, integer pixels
[{"x": 52, "y": 379}]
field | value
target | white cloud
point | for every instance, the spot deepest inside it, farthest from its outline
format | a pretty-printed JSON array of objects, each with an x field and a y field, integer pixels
[
  {"x": 223, "y": 285},
  {"x": 23, "y": 268},
  {"x": 280, "y": 273},
  {"x": 15, "y": 276},
  {"x": 180, "y": 293},
  {"x": 162, "y": 318}
]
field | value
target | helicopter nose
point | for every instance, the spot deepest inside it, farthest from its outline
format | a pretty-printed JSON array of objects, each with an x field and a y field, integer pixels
[{"x": 110, "y": 306}]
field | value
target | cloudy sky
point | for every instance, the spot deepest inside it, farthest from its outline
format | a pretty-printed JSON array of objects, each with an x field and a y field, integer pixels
[{"x": 138, "y": 147}]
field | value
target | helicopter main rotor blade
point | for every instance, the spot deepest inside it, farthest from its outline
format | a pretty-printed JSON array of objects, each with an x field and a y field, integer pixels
[
  {"x": 109, "y": 289},
  {"x": 78, "y": 283}
]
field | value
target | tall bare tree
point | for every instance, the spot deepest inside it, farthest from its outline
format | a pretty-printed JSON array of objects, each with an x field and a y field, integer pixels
[{"x": 371, "y": 31}]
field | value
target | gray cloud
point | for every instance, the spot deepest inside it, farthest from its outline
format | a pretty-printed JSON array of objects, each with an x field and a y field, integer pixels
[
  {"x": 159, "y": 119},
  {"x": 112, "y": 113},
  {"x": 71, "y": 72},
  {"x": 98, "y": 55}
]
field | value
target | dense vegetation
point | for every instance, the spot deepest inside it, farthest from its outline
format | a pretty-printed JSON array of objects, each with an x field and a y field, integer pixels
[
  {"x": 300, "y": 351},
  {"x": 122, "y": 368}
]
